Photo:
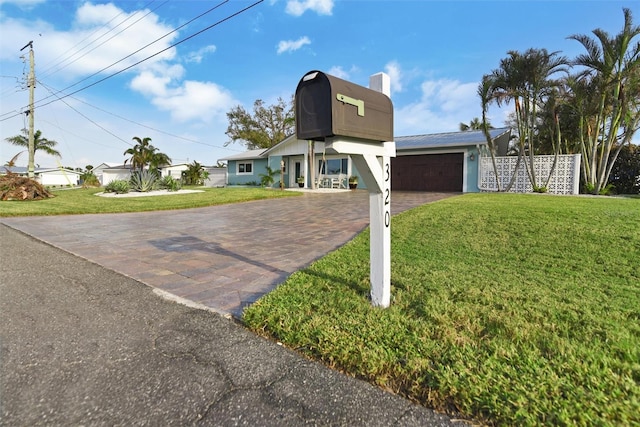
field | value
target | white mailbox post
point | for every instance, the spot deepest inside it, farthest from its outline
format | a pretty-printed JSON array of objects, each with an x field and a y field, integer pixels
[{"x": 358, "y": 121}]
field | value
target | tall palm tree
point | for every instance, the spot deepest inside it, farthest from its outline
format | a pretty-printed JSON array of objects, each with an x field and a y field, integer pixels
[
  {"x": 140, "y": 153},
  {"x": 611, "y": 74},
  {"x": 144, "y": 154},
  {"x": 526, "y": 79},
  {"x": 40, "y": 144}
]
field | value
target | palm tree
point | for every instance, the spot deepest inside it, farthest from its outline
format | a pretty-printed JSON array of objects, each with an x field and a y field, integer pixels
[
  {"x": 474, "y": 124},
  {"x": 484, "y": 92},
  {"x": 612, "y": 75},
  {"x": 39, "y": 143},
  {"x": 526, "y": 79},
  {"x": 158, "y": 159},
  {"x": 139, "y": 153},
  {"x": 195, "y": 174},
  {"x": 144, "y": 154}
]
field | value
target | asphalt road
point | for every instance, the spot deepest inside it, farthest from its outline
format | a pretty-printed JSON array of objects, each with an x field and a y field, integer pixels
[{"x": 83, "y": 345}]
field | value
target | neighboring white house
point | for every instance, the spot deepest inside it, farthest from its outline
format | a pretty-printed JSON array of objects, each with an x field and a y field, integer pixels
[
  {"x": 174, "y": 170},
  {"x": 49, "y": 177},
  {"x": 107, "y": 173},
  {"x": 113, "y": 173},
  {"x": 98, "y": 170}
]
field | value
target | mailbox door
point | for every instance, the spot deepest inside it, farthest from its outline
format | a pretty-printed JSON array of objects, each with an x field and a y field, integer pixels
[{"x": 313, "y": 108}]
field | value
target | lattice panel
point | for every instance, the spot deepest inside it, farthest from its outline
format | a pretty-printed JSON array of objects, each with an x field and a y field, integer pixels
[{"x": 565, "y": 178}]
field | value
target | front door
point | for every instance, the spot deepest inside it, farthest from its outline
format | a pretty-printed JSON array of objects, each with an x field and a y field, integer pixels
[{"x": 297, "y": 172}]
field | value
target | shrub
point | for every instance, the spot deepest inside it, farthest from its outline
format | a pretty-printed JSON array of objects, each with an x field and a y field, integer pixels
[
  {"x": 625, "y": 174},
  {"x": 89, "y": 180},
  {"x": 169, "y": 183},
  {"x": 144, "y": 181},
  {"x": 540, "y": 189},
  {"x": 118, "y": 186},
  {"x": 195, "y": 174}
]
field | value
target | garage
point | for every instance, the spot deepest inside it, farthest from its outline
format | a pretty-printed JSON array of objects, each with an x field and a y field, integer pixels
[{"x": 428, "y": 172}]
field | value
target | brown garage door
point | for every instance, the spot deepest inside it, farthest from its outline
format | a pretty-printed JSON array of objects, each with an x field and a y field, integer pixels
[{"x": 427, "y": 172}]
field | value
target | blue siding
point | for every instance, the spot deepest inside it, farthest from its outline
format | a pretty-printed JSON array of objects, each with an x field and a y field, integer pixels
[{"x": 259, "y": 167}]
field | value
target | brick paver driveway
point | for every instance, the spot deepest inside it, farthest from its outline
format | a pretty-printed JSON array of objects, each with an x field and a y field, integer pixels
[{"x": 223, "y": 257}]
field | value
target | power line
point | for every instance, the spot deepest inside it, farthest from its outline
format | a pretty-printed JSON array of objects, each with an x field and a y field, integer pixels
[
  {"x": 59, "y": 98},
  {"x": 96, "y": 124},
  {"x": 133, "y": 53},
  {"x": 89, "y": 36},
  {"x": 51, "y": 90},
  {"x": 110, "y": 38},
  {"x": 157, "y": 130}
]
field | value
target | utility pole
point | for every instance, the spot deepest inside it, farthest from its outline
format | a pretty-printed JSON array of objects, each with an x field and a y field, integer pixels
[{"x": 31, "y": 83}]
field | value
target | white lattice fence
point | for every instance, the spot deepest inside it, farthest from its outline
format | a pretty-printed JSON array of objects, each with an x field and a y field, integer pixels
[{"x": 565, "y": 178}]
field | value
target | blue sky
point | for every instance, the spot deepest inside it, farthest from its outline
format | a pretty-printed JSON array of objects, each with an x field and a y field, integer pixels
[{"x": 436, "y": 52}]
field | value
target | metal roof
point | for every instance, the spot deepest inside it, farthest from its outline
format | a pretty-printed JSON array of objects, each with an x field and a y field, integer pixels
[
  {"x": 403, "y": 143},
  {"x": 450, "y": 139},
  {"x": 23, "y": 170},
  {"x": 247, "y": 155}
]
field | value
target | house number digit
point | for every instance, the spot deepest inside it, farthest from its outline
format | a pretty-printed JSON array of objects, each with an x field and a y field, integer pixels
[{"x": 387, "y": 196}]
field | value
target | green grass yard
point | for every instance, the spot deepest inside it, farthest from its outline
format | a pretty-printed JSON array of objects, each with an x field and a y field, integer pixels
[
  {"x": 511, "y": 309},
  {"x": 84, "y": 201}
]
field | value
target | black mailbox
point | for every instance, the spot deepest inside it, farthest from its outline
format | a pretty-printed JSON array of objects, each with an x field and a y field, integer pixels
[{"x": 327, "y": 106}]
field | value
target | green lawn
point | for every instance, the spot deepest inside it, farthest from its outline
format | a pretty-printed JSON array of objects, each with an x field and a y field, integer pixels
[
  {"x": 511, "y": 309},
  {"x": 84, "y": 201}
]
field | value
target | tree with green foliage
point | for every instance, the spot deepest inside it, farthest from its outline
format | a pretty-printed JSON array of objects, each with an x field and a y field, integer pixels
[
  {"x": 474, "y": 124},
  {"x": 607, "y": 98},
  {"x": 267, "y": 126},
  {"x": 40, "y": 144},
  {"x": 88, "y": 178},
  {"x": 158, "y": 160},
  {"x": 625, "y": 173},
  {"x": 528, "y": 81},
  {"x": 268, "y": 178},
  {"x": 195, "y": 174},
  {"x": 143, "y": 155}
]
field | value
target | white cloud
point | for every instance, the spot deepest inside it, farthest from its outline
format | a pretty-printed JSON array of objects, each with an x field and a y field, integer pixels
[
  {"x": 150, "y": 84},
  {"x": 443, "y": 105},
  {"x": 198, "y": 55},
  {"x": 395, "y": 75},
  {"x": 321, "y": 7},
  {"x": 339, "y": 72},
  {"x": 94, "y": 42},
  {"x": 292, "y": 45},
  {"x": 195, "y": 101}
]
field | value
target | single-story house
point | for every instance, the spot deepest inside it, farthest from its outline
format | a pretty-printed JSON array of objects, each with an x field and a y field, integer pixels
[
  {"x": 174, "y": 171},
  {"x": 109, "y": 172},
  {"x": 113, "y": 173},
  {"x": 99, "y": 170},
  {"x": 435, "y": 162},
  {"x": 49, "y": 177},
  {"x": 123, "y": 171}
]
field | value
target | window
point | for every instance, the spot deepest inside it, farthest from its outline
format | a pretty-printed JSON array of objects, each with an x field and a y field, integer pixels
[
  {"x": 245, "y": 168},
  {"x": 333, "y": 166}
]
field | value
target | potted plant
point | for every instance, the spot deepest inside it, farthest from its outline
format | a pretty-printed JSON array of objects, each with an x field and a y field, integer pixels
[
  {"x": 300, "y": 181},
  {"x": 353, "y": 182}
]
